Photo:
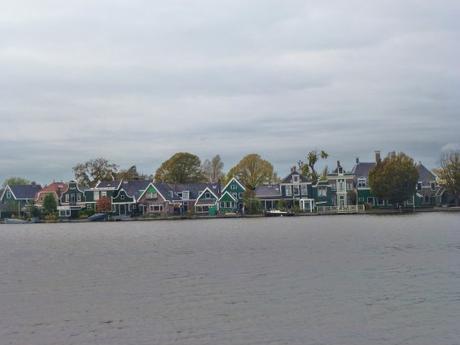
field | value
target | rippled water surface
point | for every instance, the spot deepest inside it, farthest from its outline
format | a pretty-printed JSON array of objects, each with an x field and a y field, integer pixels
[{"x": 307, "y": 280}]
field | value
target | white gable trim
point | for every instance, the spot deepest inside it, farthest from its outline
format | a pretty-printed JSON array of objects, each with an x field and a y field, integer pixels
[
  {"x": 11, "y": 191},
  {"x": 236, "y": 180},
  {"x": 206, "y": 189},
  {"x": 231, "y": 196},
  {"x": 152, "y": 185}
]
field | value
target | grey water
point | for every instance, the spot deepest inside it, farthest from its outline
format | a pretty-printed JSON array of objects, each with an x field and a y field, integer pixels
[{"x": 302, "y": 280}]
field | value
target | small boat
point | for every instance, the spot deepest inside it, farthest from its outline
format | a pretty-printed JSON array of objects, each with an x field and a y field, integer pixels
[
  {"x": 97, "y": 217},
  {"x": 278, "y": 213},
  {"x": 15, "y": 221}
]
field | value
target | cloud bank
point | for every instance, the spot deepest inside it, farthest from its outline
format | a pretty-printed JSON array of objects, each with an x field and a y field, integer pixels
[{"x": 136, "y": 81}]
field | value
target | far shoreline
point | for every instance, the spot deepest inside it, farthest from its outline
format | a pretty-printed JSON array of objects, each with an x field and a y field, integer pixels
[{"x": 377, "y": 212}]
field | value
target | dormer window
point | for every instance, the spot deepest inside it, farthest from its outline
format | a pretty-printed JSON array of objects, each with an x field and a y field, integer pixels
[
  {"x": 185, "y": 195},
  {"x": 8, "y": 195},
  {"x": 207, "y": 195},
  {"x": 362, "y": 182},
  {"x": 233, "y": 187},
  {"x": 295, "y": 178},
  {"x": 151, "y": 195}
]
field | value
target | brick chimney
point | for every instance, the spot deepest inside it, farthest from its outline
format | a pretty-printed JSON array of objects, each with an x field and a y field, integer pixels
[{"x": 357, "y": 160}]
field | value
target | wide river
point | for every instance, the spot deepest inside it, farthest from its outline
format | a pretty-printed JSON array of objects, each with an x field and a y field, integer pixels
[{"x": 332, "y": 280}]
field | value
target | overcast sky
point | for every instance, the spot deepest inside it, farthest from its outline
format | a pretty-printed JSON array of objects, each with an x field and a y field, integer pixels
[{"x": 136, "y": 81}]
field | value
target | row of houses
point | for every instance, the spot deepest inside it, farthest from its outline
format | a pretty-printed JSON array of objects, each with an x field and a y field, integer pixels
[{"x": 340, "y": 189}]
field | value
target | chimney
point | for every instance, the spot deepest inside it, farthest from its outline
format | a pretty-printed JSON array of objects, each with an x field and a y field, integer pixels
[
  {"x": 357, "y": 160},
  {"x": 377, "y": 157}
]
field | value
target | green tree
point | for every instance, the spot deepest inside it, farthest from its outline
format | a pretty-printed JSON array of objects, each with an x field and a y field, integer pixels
[
  {"x": 130, "y": 174},
  {"x": 252, "y": 205},
  {"x": 49, "y": 204},
  {"x": 182, "y": 167},
  {"x": 449, "y": 174},
  {"x": 308, "y": 169},
  {"x": 252, "y": 171},
  {"x": 213, "y": 169},
  {"x": 94, "y": 170},
  {"x": 394, "y": 179},
  {"x": 15, "y": 181}
]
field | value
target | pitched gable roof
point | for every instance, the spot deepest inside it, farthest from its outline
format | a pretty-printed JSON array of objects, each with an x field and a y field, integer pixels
[
  {"x": 28, "y": 191},
  {"x": 108, "y": 184},
  {"x": 231, "y": 180},
  {"x": 424, "y": 175},
  {"x": 135, "y": 188},
  {"x": 203, "y": 192},
  {"x": 362, "y": 169},
  {"x": 227, "y": 193},
  {"x": 268, "y": 191},
  {"x": 55, "y": 187},
  {"x": 288, "y": 178}
]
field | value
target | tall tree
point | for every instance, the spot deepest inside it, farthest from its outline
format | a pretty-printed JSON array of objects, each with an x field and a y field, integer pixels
[
  {"x": 308, "y": 169},
  {"x": 15, "y": 181},
  {"x": 394, "y": 179},
  {"x": 94, "y": 170},
  {"x": 213, "y": 169},
  {"x": 252, "y": 171},
  {"x": 49, "y": 204},
  {"x": 130, "y": 174},
  {"x": 182, "y": 167},
  {"x": 449, "y": 174}
]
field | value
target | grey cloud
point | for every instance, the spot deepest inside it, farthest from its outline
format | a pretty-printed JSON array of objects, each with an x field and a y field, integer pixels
[{"x": 136, "y": 81}]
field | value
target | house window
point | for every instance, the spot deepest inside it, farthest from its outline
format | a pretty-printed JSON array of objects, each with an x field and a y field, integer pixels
[
  {"x": 222, "y": 204},
  {"x": 235, "y": 195},
  {"x": 304, "y": 190},
  {"x": 288, "y": 191},
  {"x": 341, "y": 185},
  {"x": 122, "y": 197},
  {"x": 240, "y": 195},
  {"x": 370, "y": 200},
  {"x": 433, "y": 185},
  {"x": 233, "y": 187},
  {"x": 322, "y": 192},
  {"x": 96, "y": 196},
  {"x": 104, "y": 194},
  {"x": 152, "y": 195},
  {"x": 8, "y": 195},
  {"x": 296, "y": 190},
  {"x": 78, "y": 197},
  {"x": 207, "y": 195},
  {"x": 419, "y": 186},
  {"x": 156, "y": 208},
  {"x": 185, "y": 195},
  {"x": 67, "y": 198},
  {"x": 295, "y": 178},
  {"x": 362, "y": 182},
  {"x": 381, "y": 202}
]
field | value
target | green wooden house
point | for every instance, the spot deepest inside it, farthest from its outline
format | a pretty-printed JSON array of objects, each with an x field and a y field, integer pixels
[{"x": 231, "y": 198}]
